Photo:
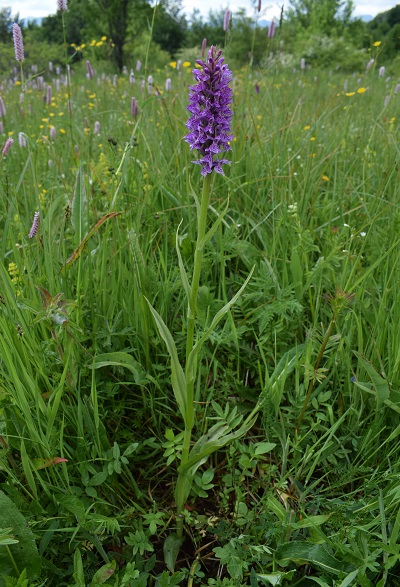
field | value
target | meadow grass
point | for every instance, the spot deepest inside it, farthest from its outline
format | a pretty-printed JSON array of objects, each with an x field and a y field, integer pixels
[{"x": 312, "y": 493}]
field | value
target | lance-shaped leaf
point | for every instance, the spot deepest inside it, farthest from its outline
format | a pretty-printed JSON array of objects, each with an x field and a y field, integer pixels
[
  {"x": 44, "y": 463},
  {"x": 274, "y": 384},
  {"x": 216, "y": 320},
  {"x": 177, "y": 375},
  {"x": 79, "y": 217},
  {"x": 217, "y": 437},
  {"x": 78, "y": 251},
  {"x": 315, "y": 554},
  {"x": 184, "y": 277},
  {"x": 210, "y": 233},
  {"x": 380, "y": 384}
]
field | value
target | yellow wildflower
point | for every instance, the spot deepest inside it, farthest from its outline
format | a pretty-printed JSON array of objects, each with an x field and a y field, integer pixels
[
  {"x": 325, "y": 178},
  {"x": 376, "y": 44},
  {"x": 361, "y": 90},
  {"x": 350, "y": 93}
]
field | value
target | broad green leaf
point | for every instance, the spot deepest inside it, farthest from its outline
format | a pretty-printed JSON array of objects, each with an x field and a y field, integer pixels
[
  {"x": 104, "y": 573},
  {"x": 277, "y": 508},
  {"x": 216, "y": 438},
  {"x": 315, "y": 554},
  {"x": 262, "y": 447},
  {"x": 119, "y": 359},
  {"x": 177, "y": 375},
  {"x": 277, "y": 577},
  {"x": 98, "y": 479},
  {"x": 74, "y": 505},
  {"x": 380, "y": 384},
  {"x": 24, "y": 552},
  {"x": 172, "y": 546},
  {"x": 312, "y": 521}
]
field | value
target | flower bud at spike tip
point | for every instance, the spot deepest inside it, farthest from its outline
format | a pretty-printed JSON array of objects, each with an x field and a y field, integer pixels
[
  {"x": 18, "y": 43},
  {"x": 62, "y": 5},
  {"x": 89, "y": 69},
  {"x": 271, "y": 29},
  {"x": 134, "y": 108},
  {"x": 203, "y": 48},
  {"x": 7, "y": 146},
  {"x": 2, "y": 108},
  {"x": 209, "y": 104},
  {"x": 22, "y": 139},
  {"x": 35, "y": 225},
  {"x": 227, "y": 19}
]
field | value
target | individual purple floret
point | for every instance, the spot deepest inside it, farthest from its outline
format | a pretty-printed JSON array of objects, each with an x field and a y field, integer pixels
[{"x": 209, "y": 103}]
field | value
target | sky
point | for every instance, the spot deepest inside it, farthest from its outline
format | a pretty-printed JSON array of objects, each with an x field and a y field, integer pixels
[{"x": 270, "y": 9}]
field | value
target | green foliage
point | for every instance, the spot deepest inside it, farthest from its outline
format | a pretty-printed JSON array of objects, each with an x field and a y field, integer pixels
[
  {"x": 18, "y": 552},
  {"x": 311, "y": 202}
]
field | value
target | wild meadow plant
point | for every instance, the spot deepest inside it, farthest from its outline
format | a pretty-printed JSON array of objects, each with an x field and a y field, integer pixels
[
  {"x": 314, "y": 208},
  {"x": 210, "y": 134}
]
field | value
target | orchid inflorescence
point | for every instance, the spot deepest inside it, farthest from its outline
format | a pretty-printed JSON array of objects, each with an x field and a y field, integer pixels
[{"x": 209, "y": 103}]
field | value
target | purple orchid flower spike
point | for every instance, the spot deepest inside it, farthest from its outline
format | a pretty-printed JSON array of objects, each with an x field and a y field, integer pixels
[{"x": 209, "y": 103}]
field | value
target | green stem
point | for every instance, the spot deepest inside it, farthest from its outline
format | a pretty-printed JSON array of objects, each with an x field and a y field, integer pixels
[
  {"x": 312, "y": 382},
  {"x": 14, "y": 564},
  {"x": 198, "y": 260},
  {"x": 181, "y": 491}
]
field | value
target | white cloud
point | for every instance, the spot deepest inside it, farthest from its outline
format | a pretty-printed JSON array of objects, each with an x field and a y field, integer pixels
[
  {"x": 30, "y": 7},
  {"x": 269, "y": 9}
]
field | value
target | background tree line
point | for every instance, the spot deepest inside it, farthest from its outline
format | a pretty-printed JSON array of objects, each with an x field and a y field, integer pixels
[{"x": 322, "y": 31}]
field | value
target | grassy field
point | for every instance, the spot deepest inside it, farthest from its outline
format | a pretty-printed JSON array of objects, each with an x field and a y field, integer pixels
[{"x": 91, "y": 434}]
